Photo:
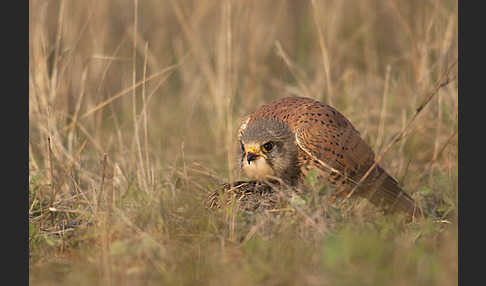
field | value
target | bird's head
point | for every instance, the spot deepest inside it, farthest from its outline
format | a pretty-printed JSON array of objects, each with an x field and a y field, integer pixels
[{"x": 268, "y": 150}]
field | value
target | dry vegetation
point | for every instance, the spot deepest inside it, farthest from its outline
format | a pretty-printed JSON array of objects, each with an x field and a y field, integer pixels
[{"x": 133, "y": 109}]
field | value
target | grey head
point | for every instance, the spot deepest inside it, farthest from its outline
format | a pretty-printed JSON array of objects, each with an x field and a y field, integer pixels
[{"x": 268, "y": 149}]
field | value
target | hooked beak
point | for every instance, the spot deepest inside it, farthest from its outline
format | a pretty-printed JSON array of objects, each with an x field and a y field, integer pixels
[{"x": 250, "y": 156}]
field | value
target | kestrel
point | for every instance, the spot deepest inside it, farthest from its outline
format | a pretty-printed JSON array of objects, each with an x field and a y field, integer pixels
[{"x": 290, "y": 137}]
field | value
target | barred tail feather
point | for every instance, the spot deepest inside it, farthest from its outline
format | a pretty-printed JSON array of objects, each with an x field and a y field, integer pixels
[{"x": 386, "y": 194}]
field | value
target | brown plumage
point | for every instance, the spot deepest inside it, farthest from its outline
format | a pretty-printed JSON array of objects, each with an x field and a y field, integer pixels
[{"x": 290, "y": 137}]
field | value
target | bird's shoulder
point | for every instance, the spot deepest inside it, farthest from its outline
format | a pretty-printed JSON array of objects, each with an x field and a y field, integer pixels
[{"x": 329, "y": 138}]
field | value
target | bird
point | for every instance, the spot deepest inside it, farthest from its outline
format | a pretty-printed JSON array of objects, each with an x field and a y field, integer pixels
[{"x": 291, "y": 137}]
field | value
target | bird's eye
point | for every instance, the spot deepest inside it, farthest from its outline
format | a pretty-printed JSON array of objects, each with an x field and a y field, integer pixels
[{"x": 267, "y": 147}]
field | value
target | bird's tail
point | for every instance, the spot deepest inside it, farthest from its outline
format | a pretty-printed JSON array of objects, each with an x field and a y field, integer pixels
[{"x": 384, "y": 192}]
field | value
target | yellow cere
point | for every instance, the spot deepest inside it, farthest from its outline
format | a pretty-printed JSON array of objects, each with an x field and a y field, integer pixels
[{"x": 253, "y": 149}]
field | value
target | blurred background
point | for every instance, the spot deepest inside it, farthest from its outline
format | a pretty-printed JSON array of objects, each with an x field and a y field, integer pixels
[{"x": 133, "y": 111}]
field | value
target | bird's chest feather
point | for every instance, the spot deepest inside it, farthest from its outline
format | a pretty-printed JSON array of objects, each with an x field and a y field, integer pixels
[{"x": 258, "y": 168}]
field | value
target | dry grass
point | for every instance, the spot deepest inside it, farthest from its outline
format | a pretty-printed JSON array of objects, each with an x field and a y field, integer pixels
[{"x": 133, "y": 110}]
